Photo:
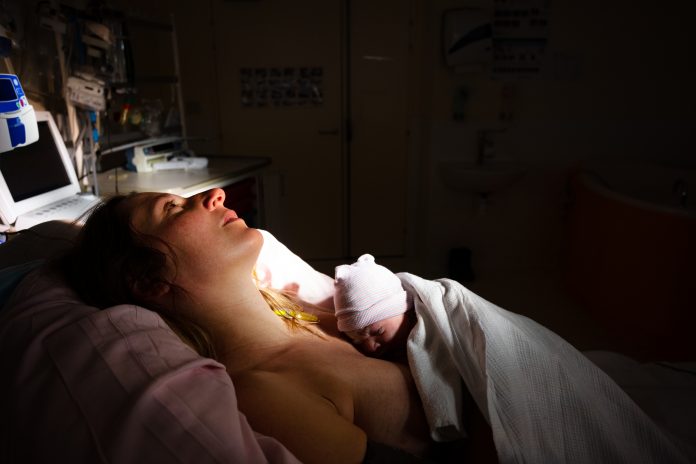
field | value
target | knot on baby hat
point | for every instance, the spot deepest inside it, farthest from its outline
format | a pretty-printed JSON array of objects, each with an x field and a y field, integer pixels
[{"x": 366, "y": 292}]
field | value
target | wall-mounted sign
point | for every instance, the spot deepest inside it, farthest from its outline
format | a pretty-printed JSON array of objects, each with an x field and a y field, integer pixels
[
  {"x": 509, "y": 41},
  {"x": 277, "y": 87}
]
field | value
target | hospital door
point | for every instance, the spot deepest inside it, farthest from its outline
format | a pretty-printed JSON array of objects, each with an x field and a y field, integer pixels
[
  {"x": 291, "y": 77},
  {"x": 279, "y": 72}
]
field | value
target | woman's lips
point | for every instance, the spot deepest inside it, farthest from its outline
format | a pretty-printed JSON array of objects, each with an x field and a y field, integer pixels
[{"x": 230, "y": 216}]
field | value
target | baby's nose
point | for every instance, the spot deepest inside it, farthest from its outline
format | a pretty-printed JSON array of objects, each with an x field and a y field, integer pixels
[{"x": 371, "y": 345}]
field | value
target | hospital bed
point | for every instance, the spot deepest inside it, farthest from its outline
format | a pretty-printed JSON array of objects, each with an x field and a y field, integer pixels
[{"x": 117, "y": 385}]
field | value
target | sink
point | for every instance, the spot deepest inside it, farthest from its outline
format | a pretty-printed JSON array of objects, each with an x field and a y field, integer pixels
[{"x": 469, "y": 177}]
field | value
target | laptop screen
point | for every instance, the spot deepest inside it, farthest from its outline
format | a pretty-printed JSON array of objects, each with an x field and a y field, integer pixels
[
  {"x": 34, "y": 169},
  {"x": 36, "y": 175}
]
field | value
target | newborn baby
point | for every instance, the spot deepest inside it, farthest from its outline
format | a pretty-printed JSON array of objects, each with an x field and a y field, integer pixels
[{"x": 372, "y": 308}]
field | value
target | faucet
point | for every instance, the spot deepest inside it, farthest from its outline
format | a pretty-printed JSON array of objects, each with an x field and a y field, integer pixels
[{"x": 486, "y": 145}]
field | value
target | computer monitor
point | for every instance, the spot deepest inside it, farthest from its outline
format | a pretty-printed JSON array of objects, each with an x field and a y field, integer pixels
[{"x": 36, "y": 175}]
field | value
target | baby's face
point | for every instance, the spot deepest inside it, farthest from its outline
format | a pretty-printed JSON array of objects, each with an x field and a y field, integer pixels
[{"x": 382, "y": 336}]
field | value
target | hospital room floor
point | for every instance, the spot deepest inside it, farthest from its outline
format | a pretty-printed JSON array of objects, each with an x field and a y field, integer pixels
[{"x": 540, "y": 296}]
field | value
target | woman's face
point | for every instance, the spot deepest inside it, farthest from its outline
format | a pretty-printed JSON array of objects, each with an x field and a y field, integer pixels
[{"x": 208, "y": 240}]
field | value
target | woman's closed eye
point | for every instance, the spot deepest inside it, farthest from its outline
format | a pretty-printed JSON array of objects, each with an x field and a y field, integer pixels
[{"x": 171, "y": 205}]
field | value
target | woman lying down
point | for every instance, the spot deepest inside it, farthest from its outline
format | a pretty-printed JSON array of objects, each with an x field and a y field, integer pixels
[{"x": 192, "y": 261}]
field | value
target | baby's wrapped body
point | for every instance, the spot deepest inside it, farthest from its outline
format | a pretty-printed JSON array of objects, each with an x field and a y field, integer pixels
[{"x": 545, "y": 401}]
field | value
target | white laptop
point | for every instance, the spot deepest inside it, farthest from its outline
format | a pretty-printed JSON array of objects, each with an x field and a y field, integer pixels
[{"x": 38, "y": 182}]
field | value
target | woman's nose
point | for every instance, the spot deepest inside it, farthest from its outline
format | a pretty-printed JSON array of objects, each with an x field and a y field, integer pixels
[{"x": 213, "y": 198}]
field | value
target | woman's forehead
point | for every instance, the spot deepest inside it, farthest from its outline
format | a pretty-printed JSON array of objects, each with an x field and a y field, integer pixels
[
  {"x": 139, "y": 201},
  {"x": 140, "y": 207}
]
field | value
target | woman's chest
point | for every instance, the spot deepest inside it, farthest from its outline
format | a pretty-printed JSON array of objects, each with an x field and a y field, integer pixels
[
  {"x": 324, "y": 370},
  {"x": 374, "y": 394}
]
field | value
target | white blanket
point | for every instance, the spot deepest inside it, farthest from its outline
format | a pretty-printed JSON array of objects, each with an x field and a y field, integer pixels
[{"x": 544, "y": 400}]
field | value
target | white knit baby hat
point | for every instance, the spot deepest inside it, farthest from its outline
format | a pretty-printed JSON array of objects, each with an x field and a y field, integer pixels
[{"x": 366, "y": 292}]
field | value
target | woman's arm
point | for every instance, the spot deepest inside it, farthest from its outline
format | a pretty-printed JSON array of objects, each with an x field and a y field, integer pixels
[{"x": 305, "y": 422}]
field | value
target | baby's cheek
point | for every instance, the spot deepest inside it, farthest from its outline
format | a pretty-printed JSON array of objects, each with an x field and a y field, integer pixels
[{"x": 388, "y": 336}]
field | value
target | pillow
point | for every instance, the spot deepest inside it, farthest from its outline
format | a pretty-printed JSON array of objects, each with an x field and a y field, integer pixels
[
  {"x": 28, "y": 249},
  {"x": 278, "y": 267}
]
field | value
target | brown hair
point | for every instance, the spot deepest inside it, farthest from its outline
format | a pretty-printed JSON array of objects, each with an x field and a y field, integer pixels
[{"x": 110, "y": 259}]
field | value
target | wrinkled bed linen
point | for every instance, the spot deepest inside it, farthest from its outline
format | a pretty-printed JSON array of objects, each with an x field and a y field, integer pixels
[{"x": 544, "y": 400}]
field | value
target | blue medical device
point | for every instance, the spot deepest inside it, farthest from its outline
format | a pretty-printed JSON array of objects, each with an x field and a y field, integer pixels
[{"x": 17, "y": 118}]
